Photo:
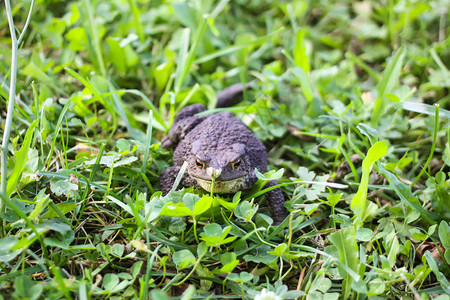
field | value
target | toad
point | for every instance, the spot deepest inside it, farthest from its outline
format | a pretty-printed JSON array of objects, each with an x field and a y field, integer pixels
[{"x": 218, "y": 148}]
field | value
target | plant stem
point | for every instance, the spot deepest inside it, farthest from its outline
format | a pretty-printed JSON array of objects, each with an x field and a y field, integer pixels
[
  {"x": 433, "y": 146},
  {"x": 11, "y": 98},
  {"x": 11, "y": 101},
  {"x": 27, "y": 22},
  {"x": 195, "y": 230}
]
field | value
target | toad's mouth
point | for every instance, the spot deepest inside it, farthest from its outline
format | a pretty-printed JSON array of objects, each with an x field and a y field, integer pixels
[{"x": 227, "y": 186}]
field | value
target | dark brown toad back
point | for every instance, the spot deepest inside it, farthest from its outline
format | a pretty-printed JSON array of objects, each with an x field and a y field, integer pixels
[{"x": 217, "y": 146}]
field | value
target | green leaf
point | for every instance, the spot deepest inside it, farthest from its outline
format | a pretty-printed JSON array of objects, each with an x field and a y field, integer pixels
[
  {"x": 368, "y": 131},
  {"x": 305, "y": 175},
  {"x": 445, "y": 284},
  {"x": 305, "y": 83},
  {"x": 241, "y": 278},
  {"x": 159, "y": 295},
  {"x": 271, "y": 175},
  {"x": 359, "y": 201},
  {"x": 25, "y": 288},
  {"x": 321, "y": 283},
  {"x": 202, "y": 249},
  {"x": 7, "y": 253},
  {"x": 175, "y": 210},
  {"x": 431, "y": 229},
  {"x": 202, "y": 205},
  {"x": 192, "y": 205},
  {"x": 444, "y": 235},
  {"x": 403, "y": 191},
  {"x": 311, "y": 208},
  {"x": 123, "y": 146},
  {"x": 189, "y": 200},
  {"x": 88, "y": 84},
  {"x": 162, "y": 74},
  {"x": 63, "y": 207},
  {"x": 116, "y": 53},
  {"x": 334, "y": 199},
  {"x": 110, "y": 281},
  {"x": 60, "y": 187},
  {"x": 393, "y": 250},
  {"x": 376, "y": 287},
  {"x": 122, "y": 285},
  {"x": 186, "y": 14},
  {"x": 364, "y": 234},
  {"x": 228, "y": 261},
  {"x": 183, "y": 259},
  {"x": 21, "y": 160},
  {"x": 53, "y": 242},
  {"x": 246, "y": 210},
  {"x": 177, "y": 224},
  {"x": 300, "y": 55},
  {"x": 213, "y": 229},
  {"x": 118, "y": 249},
  {"x": 230, "y": 205},
  {"x": 214, "y": 235},
  {"x": 42, "y": 202},
  {"x": 279, "y": 250},
  {"x": 77, "y": 39},
  {"x": 359, "y": 286},
  {"x": 345, "y": 242},
  {"x": 204, "y": 272},
  {"x": 38, "y": 74}
]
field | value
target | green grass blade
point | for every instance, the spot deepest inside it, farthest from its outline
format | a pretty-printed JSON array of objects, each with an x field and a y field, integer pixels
[
  {"x": 137, "y": 19},
  {"x": 218, "y": 9},
  {"x": 232, "y": 49},
  {"x": 21, "y": 159},
  {"x": 87, "y": 84},
  {"x": 360, "y": 63},
  {"x": 445, "y": 284},
  {"x": 148, "y": 141},
  {"x": 433, "y": 145},
  {"x": 188, "y": 58},
  {"x": 120, "y": 110},
  {"x": 185, "y": 58},
  {"x": 182, "y": 67},
  {"x": 305, "y": 83},
  {"x": 359, "y": 201},
  {"x": 423, "y": 108},
  {"x": 91, "y": 29},
  {"x": 12, "y": 206},
  {"x": 389, "y": 80},
  {"x": 300, "y": 56},
  {"x": 156, "y": 115},
  {"x": 403, "y": 191},
  {"x": 58, "y": 127}
]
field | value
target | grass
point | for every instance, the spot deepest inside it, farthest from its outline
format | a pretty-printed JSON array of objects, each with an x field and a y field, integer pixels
[{"x": 350, "y": 98}]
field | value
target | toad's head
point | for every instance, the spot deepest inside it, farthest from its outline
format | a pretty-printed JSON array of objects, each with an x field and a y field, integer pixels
[{"x": 229, "y": 166}]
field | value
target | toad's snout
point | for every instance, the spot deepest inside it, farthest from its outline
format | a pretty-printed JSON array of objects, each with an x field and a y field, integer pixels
[{"x": 213, "y": 172}]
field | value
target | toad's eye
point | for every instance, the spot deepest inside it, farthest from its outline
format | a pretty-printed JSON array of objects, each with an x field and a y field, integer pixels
[
  {"x": 236, "y": 164},
  {"x": 199, "y": 163}
]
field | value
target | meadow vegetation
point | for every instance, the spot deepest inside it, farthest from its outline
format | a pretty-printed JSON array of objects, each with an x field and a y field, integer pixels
[{"x": 351, "y": 99}]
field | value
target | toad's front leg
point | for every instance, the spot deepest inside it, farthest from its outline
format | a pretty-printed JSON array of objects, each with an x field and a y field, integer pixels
[{"x": 276, "y": 203}]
